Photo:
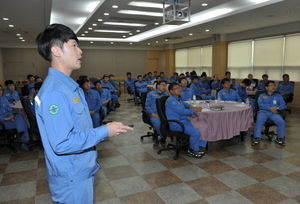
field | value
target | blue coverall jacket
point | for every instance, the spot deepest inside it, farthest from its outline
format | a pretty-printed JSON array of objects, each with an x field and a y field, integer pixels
[
  {"x": 286, "y": 88},
  {"x": 186, "y": 94},
  {"x": 230, "y": 95},
  {"x": 11, "y": 96},
  {"x": 130, "y": 83}
]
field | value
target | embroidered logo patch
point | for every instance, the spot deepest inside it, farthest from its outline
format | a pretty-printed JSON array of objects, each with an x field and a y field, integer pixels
[
  {"x": 173, "y": 102},
  {"x": 53, "y": 109},
  {"x": 154, "y": 95},
  {"x": 223, "y": 93},
  {"x": 76, "y": 100},
  {"x": 265, "y": 96}
]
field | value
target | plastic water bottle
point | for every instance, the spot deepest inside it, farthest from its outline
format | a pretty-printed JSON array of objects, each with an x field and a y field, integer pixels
[
  {"x": 247, "y": 102},
  {"x": 219, "y": 100},
  {"x": 194, "y": 100}
]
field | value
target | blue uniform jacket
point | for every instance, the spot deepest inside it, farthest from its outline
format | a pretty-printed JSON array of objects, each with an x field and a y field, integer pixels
[
  {"x": 66, "y": 129},
  {"x": 261, "y": 85},
  {"x": 241, "y": 91},
  {"x": 286, "y": 88},
  {"x": 93, "y": 100},
  {"x": 5, "y": 108},
  {"x": 203, "y": 84},
  {"x": 215, "y": 85},
  {"x": 197, "y": 89},
  {"x": 141, "y": 86},
  {"x": 109, "y": 86},
  {"x": 176, "y": 109},
  {"x": 165, "y": 79},
  {"x": 114, "y": 84},
  {"x": 11, "y": 96},
  {"x": 230, "y": 95},
  {"x": 186, "y": 94},
  {"x": 104, "y": 95},
  {"x": 150, "y": 104},
  {"x": 148, "y": 81},
  {"x": 266, "y": 101},
  {"x": 130, "y": 83},
  {"x": 30, "y": 85}
]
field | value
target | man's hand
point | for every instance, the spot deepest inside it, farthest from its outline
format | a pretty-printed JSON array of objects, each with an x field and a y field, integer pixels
[
  {"x": 274, "y": 109},
  {"x": 155, "y": 115},
  {"x": 92, "y": 112},
  {"x": 10, "y": 118},
  {"x": 117, "y": 128},
  {"x": 203, "y": 95},
  {"x": 196, "y": 109}
]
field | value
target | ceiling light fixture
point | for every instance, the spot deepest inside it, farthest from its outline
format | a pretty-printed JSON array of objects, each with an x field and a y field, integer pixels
[
  {"x": 191, "y": 34},
  {"x": 11, "y": 26},
  {"x": 86, "y": 31},
  {"x": 156, "y": 23},
  {"x": 145, "y": 13},
  {"x": 207, "y": 30},
  {"x": 156, "y": 41},
  {"x": 111, "y": 31},
  {"x": 18, "y": 34},
  {"x": 21, "y": 38},
  {"x": 115, "y": 6},
  {"x": 92, "y": 42},
  {"x": 90, "y": 28},
  {"x": 130, "y": 34},
  {"x": 112, "y": 43},
  {"x": 130, "y": 43},
  {"x": 124, "y": 36},
  {"x": 147, "y": 4},
  {"x": 125, "y": 24},
  {"x": 106, "y": 14},
  {"x": 204, "y": 4},
  {"x": 138, "y": 31},
  {"x": 82, "y": 34},
  {"x": 94, "y": 24},
  {"x": 5, "y": 19},
  {"x": 100, "y": 19},
  {"x": 149, "y": 43},
  {"x": 166, "y": 40}
]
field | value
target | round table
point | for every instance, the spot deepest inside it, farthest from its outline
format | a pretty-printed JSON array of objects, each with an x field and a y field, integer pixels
[{"x": 224, "y": 124}]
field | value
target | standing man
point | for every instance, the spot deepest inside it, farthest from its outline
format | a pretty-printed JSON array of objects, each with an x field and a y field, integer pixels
[
  {"x": 285, "y": 88},
  {"x": 176, "y": 109},
  {"x": 150, "y": 104},
  {"x": 269, "y": 104},
  {"x": 9, "y": 93},
  {"x": 64, "y": 120}
]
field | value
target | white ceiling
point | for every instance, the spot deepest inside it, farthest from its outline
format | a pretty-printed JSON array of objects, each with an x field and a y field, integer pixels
[{"x": 30, "y": 17}]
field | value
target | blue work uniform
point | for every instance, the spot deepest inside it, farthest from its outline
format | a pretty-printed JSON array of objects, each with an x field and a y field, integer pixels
[
  {"x": 114, "y": 84},
  {"x": 104, "y": 96},
  {"x": 141, "y": 86},
  {"x": 261, "y": 85},
  {"x": 150, "y": 106},
  {"x": 186, "y": 94},
  {"x": 11, "y": 96},
  {"x": 114, "y": 97},
  {"x": 285, "y": 88},
  {"x": 199, "y": 92},
  {"x": 253, "y": 83},
  {"x": 230, "y": 95},
  {"x": 165, "y": 79},
  {"x": 130, "y": 83},
  {"x": 68, "y": 138},
  {"x": 204, "y": 85},
  {"x": 265, "y": 102},
  {"x": 29, "y": 86},
  {"x": 19, "y": 124},
  {"x": 215, "y": 85},
  {"x": 148, "y": 81},
  {"x": 94, "y": 103},
  {"x": 243, "y": 94},
  {"x": 176, "y": 109}
]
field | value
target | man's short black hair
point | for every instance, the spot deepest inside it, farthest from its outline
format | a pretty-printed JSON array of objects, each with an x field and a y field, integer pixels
[
  {"x": 285, "y": 75},
  {"x": 172, "y": 85},
  {"x": 111, "y": 75},
  {"x": 139, "y": 76},
  {"x": 38, "y": 85},
  {"x": 247, "y": 82},
  {"x": 175, "y": 74},
  {"x": 264, "y": 75},
  {"x": 187, "y": 73},
  {"x": 96, "y": 82},
  {"x": 29, "y": 75},
  {"x": 181, "y": 79},
  {"x": 161, "y": 73},
  {"x": 269, "y": 82},
  {"x": 82, "y": 81},
  {"x": 8, "y": 82},
  {"x": 194, "y": 77},
  {"x": 54, "y": 34},
  {"x": 104, "y": 76},
  {"x": 37, "y": 77},
  {"x": 224, "y": 80},
  {"x": 149, "y": 72},
  {"x": 203, "y": 74},
  {"x": 160, "y": 82},
  {"x": 227, "y": 73},
  {"x": 158, "y": 76},
  {"x": 128, "y": 73}
]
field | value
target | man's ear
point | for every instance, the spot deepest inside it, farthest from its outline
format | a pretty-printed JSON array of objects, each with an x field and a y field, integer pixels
[{"x": 56, "y": 51}]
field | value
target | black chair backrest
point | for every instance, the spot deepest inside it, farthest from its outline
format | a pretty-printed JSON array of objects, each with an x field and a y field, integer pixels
[
  {"x": 143, "y": 98},
  {"x": 82, "y": 77},
  {"x": 31, "y": 117},
  {"x": 256, "y": 82},
  {"x": 161, "y": 108},
  {"x": 24, "y": 90},
  {"x": 291, "y": 96},
  {"x": 189, "y": 84}
]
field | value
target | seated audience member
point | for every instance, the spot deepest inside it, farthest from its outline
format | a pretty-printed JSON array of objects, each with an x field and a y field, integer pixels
[
  {"x": 253, "y": 83},
  {"x": 9, "y": 93},
  {"x": 262, "y": 83},
  {"x": 216, "y": 83},
  {"x": 182, "y": 75},
  {"x": 269, "y": 104},
  {"x": 129, "y": 82},
  {"x": 12, "y": 121},
  {"x": 176, "y": 109},
  {"x": 186, "y": 93},
  {"x": 195, "y": 86},
  {"x": 105, "y": 96},
  {"x": 158, "y": 78},
  {"x": 187, "y": 75},
  {"x": 146, "y": 79},
  {"x": 241, "y": 90},
  {"x": 285, "y": 88},
  {"x": 232, "y": 81},
  {"x": 113, "y": 82},
  {"x": 228, "y": 94},
  {"x": 36, "y": 88},
  {"x": 151, "y": 78},
  {"x": 163, "y": 78},
  {"x": 204, "y": 84},
  {"x": 150, "y": 104},
  {"x": 32, "y": 92},
  {"x": 114, "y": 96},
  {"x": 30, "y": 79},
  {"x": 140, "y": 85},
  {"x": 172, "y": 77},
  {"x": 175, "y": 78},
  {"x": 93, "y": 100}
]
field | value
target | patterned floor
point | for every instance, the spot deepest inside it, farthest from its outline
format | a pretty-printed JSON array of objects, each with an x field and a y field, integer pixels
[{"x": 132, "y": 171}]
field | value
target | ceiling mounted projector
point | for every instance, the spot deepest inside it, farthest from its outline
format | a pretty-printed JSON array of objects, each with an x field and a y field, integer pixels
[{"x": 176, "y": 12}]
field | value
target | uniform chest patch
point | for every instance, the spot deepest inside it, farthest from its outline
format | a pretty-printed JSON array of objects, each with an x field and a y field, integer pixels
[
  {"x": 53, "y": 109},
  {"x": 223, "y": 93},
  {"x": 76, "y": 100},
  {"x": 265, "y": 96}
]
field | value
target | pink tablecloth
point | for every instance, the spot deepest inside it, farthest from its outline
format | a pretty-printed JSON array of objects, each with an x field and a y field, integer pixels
[
  {"x": 251, "y": 92},
  {"x": 224, "y": 124},
  {"x": 18, "y": 108}
]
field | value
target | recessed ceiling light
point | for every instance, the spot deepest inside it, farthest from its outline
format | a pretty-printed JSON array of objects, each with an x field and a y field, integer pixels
[
  {"x": 125, "y": 24},
  {"x": 115, "y": 6},
  {"x": 86, "y": 31},
  {"x": 82, "y": 34},
  {"x": 166, "y": 40},
  {"x": 21, "y": 38},
  {"x": 156, "y": 23},
  {"x": 112, "y": 43},
  {"x": 106, "y": 14},
  {"x": 207, "y": 30},
  {"x": 138, "y": 31},
  {"x": 147, "y": 4},
  {"x": 90, "y": 28},
  {"x": 191, "y": 34},
  {"x": 100, "y": 19},
  {"x": 145, "y": 13},
  {"x": 156, "y": 41},
  {"x": 5, "y": 19},
  {"x": 149, "y": 43},
  {"x": 130, "y": 43},
  {"x": 124, "y": 36},
  {"x": 130, "y": 34},
  {"x": 94, "y": 24},
  {"x": 92, "y": 42},
  {"x": 11, "y": 26},
  {"x": 111, "y": 31},
  {"x": 18, "y": 34},
  {"x": 204, "y": 4}
]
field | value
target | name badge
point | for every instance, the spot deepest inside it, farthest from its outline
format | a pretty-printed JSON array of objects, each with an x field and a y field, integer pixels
[{"x": 274, "y": 101}]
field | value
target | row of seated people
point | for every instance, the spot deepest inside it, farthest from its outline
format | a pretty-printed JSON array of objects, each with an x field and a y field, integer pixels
[{"x": 177, "y": 109}]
